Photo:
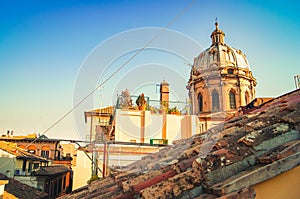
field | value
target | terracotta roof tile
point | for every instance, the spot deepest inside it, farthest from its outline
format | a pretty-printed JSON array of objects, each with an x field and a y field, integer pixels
[
  {"x": 52, "y": 170},
  {"x": 222, "y": 163},
  {"x": 22, "y": 191}
]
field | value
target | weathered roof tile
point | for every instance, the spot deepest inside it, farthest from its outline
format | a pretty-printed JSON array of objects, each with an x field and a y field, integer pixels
[
  {"x": 224, "y": 162},
  {"x": 52, "y": 170},
  {"x": 22, "y": 191}
]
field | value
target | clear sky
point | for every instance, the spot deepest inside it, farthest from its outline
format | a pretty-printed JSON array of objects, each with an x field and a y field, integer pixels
[{"x": 44, "y": 45}]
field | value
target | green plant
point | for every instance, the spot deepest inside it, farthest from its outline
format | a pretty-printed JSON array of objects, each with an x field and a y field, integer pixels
[
  {"x": 173, "y": 110},
  {"x": 140, "y": 101},
  {"x": 93, "y": 178}
]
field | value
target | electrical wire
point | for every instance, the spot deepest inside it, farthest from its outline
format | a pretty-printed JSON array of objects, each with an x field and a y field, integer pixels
[{"x": 118, "y": 69}]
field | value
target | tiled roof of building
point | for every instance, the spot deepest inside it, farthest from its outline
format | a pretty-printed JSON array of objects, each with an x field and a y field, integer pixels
[
  {"x": 225, "y": 161},
  {"x": 28, "y": 139},
  {"x": 22, "y": 191},
  {"x": 52, "y": 170},
  {"x": 19, "y": 152}
]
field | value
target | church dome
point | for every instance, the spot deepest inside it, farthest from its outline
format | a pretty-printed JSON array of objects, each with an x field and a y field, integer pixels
[
  {"x": 220, "y": 82},
  {"x": 220, "y": 55}
]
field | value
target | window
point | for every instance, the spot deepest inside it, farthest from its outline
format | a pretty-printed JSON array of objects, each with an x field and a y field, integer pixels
[
  {"x": 30, "y": 167},
  {"x": 36, "y": 166},
  {"x": 230, "y": 71},
  {"x": 64, "y": 182},
  {"x": 24, "y": 165},
  {"x": 45, "y": 154},
  {"x": 59, "y": 186},
  {"x": 215, "y": 101},
  {"x": 232, "y": 100},
  {"x": 45, "y": 151},
  {"x": 200, "y": 102},
  {"x": 246, "y": 98}
]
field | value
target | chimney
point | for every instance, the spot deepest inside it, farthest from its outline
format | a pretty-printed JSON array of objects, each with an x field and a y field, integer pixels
[{"x": 164, "y": 94}]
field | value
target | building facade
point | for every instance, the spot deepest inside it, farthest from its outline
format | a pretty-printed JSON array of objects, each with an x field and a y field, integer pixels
[
  {"x": 220, "y": 82},
  {"x": 15, "y": 161},
  {"x": 33, "y": 170},
  {"x": 41, "y": 146}
]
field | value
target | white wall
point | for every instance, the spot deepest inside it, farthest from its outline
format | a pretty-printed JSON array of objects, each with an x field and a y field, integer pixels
[
  {"x": 119, "y": 155},
  {"x": 128, "y": 126}
]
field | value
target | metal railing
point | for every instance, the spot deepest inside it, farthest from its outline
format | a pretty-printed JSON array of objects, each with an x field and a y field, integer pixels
[{"x": 156, "y": 105}]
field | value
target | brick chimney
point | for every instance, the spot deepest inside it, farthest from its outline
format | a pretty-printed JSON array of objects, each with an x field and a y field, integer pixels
[{"x": 164, "y": 94}]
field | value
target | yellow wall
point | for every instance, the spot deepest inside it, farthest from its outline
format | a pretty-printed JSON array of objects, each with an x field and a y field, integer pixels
[
  {"x": 19, "y": 164},
  {"x": 70, "y": 148},
  {"x": 285, "y": 185},
  {"x": 82, "y": 170}
]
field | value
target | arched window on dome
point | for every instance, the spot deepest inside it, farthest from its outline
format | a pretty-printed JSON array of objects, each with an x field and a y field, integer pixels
[
  {"x": 215, "y": 101},
  {"x": 232, "y": 101},
  {"x": 247, "y": 98},
  {"x": 200, "y": 102}
]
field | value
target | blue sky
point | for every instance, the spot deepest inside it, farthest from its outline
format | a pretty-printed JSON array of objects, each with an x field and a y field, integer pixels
[{"x": 43, "y": 45}]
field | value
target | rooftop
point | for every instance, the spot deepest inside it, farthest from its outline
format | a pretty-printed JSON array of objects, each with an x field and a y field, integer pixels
[
  {"x": 28, "y": 139},
  {"x": 225, "y": 161},
  {"x": 21, "y": 191},
  {"x": 19, "y": 152},
  {"x": 52, "y": 170}
]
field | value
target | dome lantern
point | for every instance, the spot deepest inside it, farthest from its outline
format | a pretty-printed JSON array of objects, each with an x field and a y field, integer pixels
[
  {"x": 217, "y": 36},
  {"x": 220, "y": 54}
]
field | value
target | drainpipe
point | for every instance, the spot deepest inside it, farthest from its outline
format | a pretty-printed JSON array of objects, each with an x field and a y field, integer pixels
[
  {"x": 142, "y": 136},
  {"x": 104, "y": 161},
  {"x": 164, "y": 128}
]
